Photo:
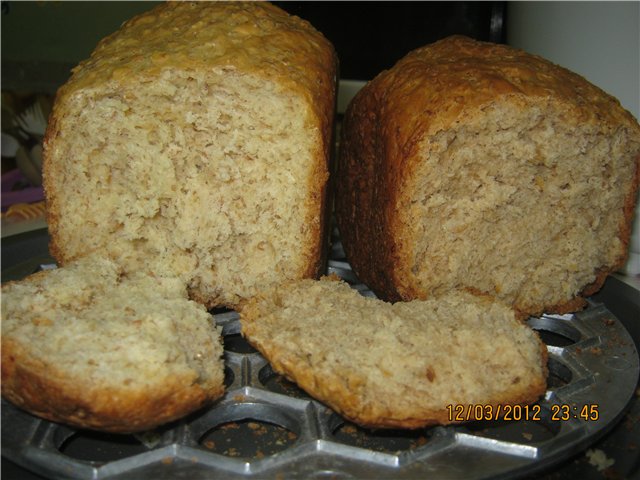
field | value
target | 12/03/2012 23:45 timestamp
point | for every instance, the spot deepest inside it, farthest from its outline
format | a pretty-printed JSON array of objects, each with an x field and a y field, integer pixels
[{"x": 515, "y": 413}]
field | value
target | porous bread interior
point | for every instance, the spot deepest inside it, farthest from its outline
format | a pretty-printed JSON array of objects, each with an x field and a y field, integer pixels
[
  {"x": 519, "y": 203},
  {"x": 205, "y": 175},
  {"x": 127, "y": 332},
  {"x": 400, "y": 360}
]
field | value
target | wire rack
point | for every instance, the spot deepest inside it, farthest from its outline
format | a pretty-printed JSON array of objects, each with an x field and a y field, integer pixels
[{"x": 265, "y": 427}]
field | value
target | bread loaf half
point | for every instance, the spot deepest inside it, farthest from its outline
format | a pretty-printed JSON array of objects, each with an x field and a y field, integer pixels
[
  {"x": 476, "y": 166},
  {"x": 195, "y": 141},
  {"x": 402, "y": 365},
  {"x": 92, "y": 347}
]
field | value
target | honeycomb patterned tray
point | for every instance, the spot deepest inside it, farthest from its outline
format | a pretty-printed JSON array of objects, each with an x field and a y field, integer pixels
[{"x": 265, "y": 427}]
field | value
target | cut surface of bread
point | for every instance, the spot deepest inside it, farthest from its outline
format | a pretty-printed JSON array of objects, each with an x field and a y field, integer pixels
[
  {"x": 93, "y": 347},
  {"x": 396, "y": 365},
  {"x": 476, "y": 166},
  {"x": 195, "y": 141}
]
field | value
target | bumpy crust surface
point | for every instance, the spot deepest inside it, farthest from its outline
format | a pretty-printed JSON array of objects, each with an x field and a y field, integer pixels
[
  {"x": 253, "y": 38},
  {"x": 430, "y": 90}
]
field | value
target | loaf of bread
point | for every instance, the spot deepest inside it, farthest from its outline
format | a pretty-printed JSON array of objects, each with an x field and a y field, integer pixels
[
  {"x": 93, "y": 347},
  {"x": 403, "y": 365},
  {"x": 476, "y": 166},
  {"x": 195, "y": 141}
]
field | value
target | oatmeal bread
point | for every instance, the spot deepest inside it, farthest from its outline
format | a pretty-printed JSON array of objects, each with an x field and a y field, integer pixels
[
  {"x": 195, "y": 140},
  {"x": 476, "y": 166},
  {"x": 92, "y": 347},
  {"x": 395, "y": 365}
]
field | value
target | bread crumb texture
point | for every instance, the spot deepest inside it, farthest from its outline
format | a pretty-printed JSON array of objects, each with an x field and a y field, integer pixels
[
  {"x": 195, "y": 141},
  {"x": 396, "y": 365},
  {"x": 94, "y": 347},
  {"x": 470, "y": 165}
]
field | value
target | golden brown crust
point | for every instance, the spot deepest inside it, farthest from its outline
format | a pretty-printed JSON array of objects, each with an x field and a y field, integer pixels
[
  {"x": 431, "y": 90},
  {"x": 48, "y": 392},
  {"x": 253, "y": 39}
]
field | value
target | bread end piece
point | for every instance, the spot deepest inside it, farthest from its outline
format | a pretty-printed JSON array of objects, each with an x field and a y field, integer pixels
[{"x": 90, "y": 347}]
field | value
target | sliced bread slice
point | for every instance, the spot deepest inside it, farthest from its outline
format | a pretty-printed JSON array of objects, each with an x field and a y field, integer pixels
[{"x": 404, "y": 365}]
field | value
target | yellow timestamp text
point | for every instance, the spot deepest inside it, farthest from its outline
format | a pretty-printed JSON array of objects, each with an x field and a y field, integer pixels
[
  {"x": 563, "y": 412},
  {"x": 517, "y": 413}
]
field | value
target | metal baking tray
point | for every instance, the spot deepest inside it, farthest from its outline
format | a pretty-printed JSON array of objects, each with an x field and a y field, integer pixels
[{"x": 265, "y": 427}]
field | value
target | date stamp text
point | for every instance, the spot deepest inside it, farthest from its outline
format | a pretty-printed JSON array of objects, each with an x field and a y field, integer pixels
[{"x": 517, "y": 413}]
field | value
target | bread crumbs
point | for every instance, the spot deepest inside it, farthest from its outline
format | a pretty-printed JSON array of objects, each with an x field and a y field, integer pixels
[{"x": 599, "y": 459}]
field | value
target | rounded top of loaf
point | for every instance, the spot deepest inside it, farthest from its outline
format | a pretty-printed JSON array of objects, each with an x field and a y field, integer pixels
[
  {"x": 432, "y": 87},
  {"x": 254, "y": 37}
]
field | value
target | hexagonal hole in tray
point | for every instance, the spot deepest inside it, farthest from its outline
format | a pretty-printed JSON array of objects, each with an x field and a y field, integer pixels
[
  {"x": 279, "y": 384},
  {"x": 559, "y": 374},
  {"x": 97, "y": 447},
  {"x": 236, "y": 343},
  {"x": 379, "y": 440},
  {"x": 248, "y": 439},
  {"x": 229, "y": 377},
  {"x": 524, "y": 425},
  {"x": 555, "y": 331},
  {"x": 246, "y": 430}
]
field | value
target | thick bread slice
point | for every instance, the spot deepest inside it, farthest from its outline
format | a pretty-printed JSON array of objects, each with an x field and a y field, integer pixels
[
  {"x": 400, "y": 365},
  {"x": 471, "y": 165},
  {"x": 87, "y": 346},
  {"x": 196, "y": 140}
]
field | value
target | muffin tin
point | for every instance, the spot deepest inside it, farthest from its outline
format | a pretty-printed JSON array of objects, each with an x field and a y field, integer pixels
[{"x": 265, "y": 427}]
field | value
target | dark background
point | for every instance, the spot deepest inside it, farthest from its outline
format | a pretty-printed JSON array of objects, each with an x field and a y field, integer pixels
[
  {"x": 42, "y": 41},
  {"x": 371, "y": 36}
]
